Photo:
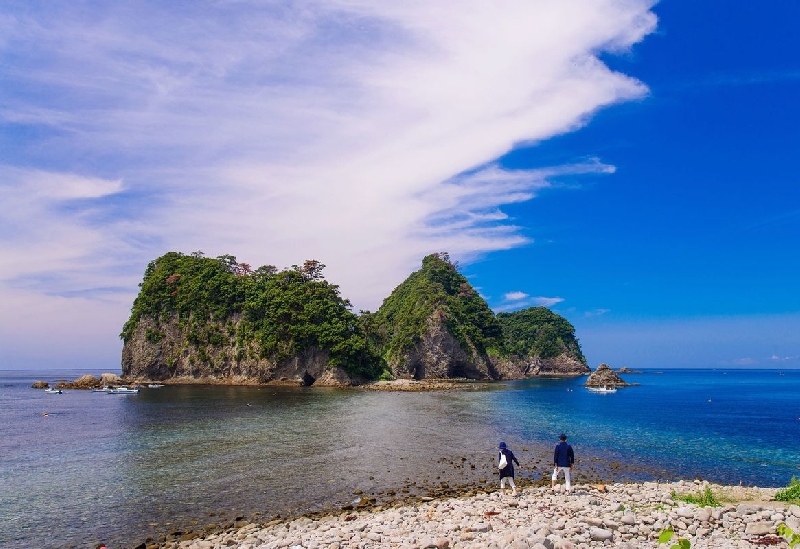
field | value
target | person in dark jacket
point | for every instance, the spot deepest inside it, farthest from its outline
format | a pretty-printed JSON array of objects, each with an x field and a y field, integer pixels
[
  {"x": 563, "y": 460},
  {"x": 507, "y": 472}
]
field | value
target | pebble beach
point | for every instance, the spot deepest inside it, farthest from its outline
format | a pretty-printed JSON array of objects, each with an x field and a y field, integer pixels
[{"x": 627, "y": 515}]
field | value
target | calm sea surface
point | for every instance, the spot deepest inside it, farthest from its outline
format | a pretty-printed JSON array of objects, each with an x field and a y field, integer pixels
[{"x": 120, "y": 468}]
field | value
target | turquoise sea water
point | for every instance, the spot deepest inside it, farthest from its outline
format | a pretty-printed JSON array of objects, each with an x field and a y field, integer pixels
[{"x": 119, "y": 468}]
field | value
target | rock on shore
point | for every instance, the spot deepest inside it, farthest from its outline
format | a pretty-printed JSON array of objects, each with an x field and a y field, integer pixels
[{"x": 618, "y": 515}]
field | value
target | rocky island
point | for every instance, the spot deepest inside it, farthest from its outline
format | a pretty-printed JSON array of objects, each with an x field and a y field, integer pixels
[
  {"x": 199, "y": 319},
  {"x": 604, "y": 376}
]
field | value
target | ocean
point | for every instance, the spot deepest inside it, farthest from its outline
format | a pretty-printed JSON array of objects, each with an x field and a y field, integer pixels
[{"x": 81, "y": 467}]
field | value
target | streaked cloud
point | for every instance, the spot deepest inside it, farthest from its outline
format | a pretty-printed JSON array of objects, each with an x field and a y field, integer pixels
[
  {"x": 514, "y": 301},
  {"x": 547, "y": 301},
  {"x": 358, "y": 133},
  {"x": 596, "y": 312}
]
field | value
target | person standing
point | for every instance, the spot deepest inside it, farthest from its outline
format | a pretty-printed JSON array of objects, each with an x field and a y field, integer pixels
[
  {"x": 507, "y": 470},
  {"x": 563, "y": 460}
]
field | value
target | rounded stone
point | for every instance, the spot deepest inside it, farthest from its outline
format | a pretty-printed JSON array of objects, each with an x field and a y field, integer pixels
[{"x": 600, "y": 534}]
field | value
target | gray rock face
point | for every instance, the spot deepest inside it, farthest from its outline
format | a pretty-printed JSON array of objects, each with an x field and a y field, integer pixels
[
  {"x": 440, "y": 355},
  {"x": 562, "y": 365},
  {"x": 172, "y": 356}
]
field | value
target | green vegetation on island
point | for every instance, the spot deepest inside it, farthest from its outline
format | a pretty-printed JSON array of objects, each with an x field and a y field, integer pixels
[
  {"x": 436, "y": 292},
  {"x": 202, "y": 317},
  {"x": 540, "y": 332},
  {"x": 263, "y": 313}
]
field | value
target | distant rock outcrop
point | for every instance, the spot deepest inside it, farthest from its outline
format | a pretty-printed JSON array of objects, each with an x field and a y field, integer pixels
[
  {"x": 542, "y": 343},
  {"x": 604, "y": 376}
]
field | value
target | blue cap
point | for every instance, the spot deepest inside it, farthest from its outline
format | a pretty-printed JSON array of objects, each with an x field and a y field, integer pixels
[{"x": 502, "y": 446}]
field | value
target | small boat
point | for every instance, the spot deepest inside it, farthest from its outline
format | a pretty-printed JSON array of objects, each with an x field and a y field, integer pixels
[
  {"x": 154, "y": 386},
  {"x": 54, "y": 391},
  {"x": 105, "y": 389},
  {"x": 123, "y": 391},
  {"x": 603, "y": 389}
]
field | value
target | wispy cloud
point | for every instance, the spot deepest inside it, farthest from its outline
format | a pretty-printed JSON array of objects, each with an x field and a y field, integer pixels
[
  {"x": 547, "y": 301},
  {"x": 513, "y": 301},
  {"x": 358, "y": 133},
  {"x": 776, "y": 358}
]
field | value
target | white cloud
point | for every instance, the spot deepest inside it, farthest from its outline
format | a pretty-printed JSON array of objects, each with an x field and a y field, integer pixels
[
  {"x": 777, "y": 358},
  {"x": 359, "y": 133},
  {"x": 515, "y": 301},
  {"x": 596, "y": 312},
  {"x": 547, "y": 301}
]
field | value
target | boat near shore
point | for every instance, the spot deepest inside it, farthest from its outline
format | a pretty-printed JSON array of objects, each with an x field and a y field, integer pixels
[
  {"x": 123, "y": 391},
  {"x": 52, "y": 391},
  {"x": 603, "y": 389}
]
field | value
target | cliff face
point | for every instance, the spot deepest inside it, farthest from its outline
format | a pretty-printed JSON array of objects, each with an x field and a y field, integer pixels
[
  {"x": 171, "y": 355},
  {"x": 564, "y": 364},
  {"x": 440, "y": 355}
]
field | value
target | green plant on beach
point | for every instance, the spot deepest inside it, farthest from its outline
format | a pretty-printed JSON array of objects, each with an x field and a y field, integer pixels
[
  {"x": 792, "y": 538},
  {"x": 704, "y": 499},
  {"x": 666, "y": 535},
  {"x": 791, "y": 493}
]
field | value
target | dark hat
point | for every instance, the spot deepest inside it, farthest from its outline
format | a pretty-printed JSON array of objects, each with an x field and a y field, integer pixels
[
  {"x": 562, "y": 436},
  {"x": 502, "y": 446}
]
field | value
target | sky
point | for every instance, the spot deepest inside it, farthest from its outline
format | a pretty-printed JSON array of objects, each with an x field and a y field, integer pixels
[{"x": 631, "y": 165}]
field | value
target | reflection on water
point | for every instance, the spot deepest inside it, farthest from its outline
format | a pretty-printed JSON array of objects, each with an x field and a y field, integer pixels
[{"x": 119, "y": 467}]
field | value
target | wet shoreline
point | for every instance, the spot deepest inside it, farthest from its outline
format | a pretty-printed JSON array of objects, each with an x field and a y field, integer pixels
[
  {"x": 459, "y": 478},
  {"x": 643, "y": 503}
]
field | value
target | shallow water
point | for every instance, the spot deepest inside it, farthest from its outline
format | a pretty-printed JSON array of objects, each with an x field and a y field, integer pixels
[{"x": 118, "y": 468}]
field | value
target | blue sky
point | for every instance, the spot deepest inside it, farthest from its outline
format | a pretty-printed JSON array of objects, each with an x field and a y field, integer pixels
[{"x": 630, "y": 165}]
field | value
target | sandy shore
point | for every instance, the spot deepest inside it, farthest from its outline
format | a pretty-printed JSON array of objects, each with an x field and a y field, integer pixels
[{"x": 614, "y": 515}]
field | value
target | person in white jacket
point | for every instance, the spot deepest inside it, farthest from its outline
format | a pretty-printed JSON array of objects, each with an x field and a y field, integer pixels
[{"x": 506, "y": 461}]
